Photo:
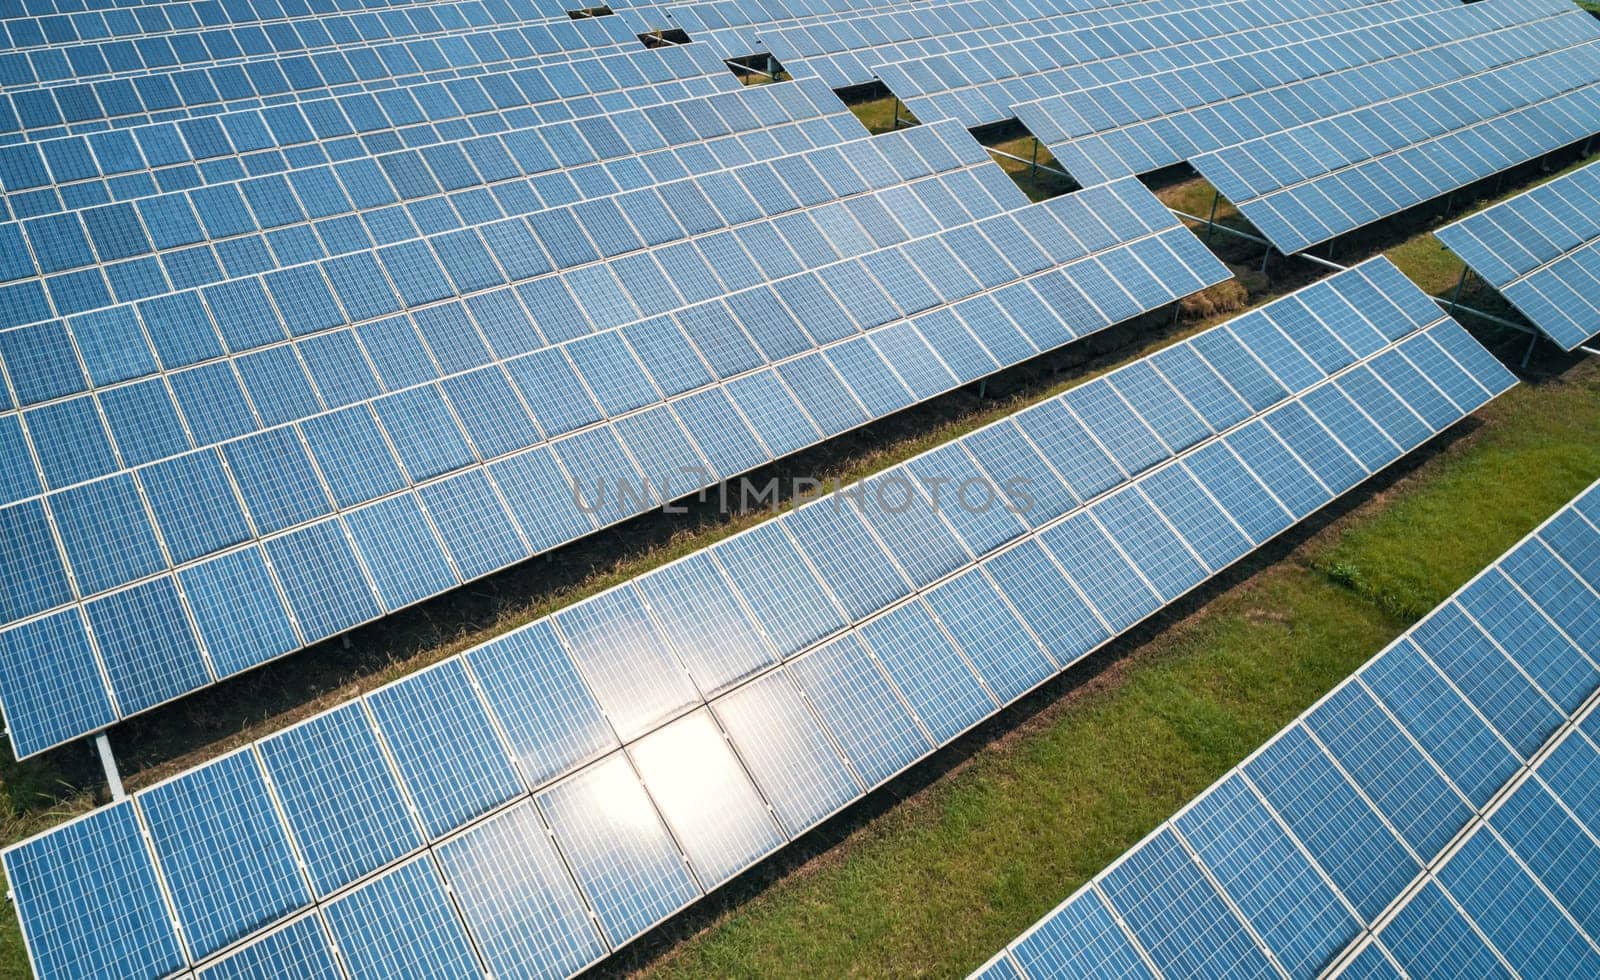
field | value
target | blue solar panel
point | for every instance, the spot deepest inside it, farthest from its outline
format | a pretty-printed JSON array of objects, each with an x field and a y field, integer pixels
[
  {"x": 518, "y": 900},
  {"x": 342, "y": 802},
  {"x": 1539, "y": 249},
  {"x": 549, "y": 718},
  {"x": 402, "y": 924},
  {"x": 91, "y": 899},
  {"x": 624, "y": 859},
  {"x": 300, "y": 949},
  {"x": 1390, "y": 810},
  {"x": 787, "y": 751},
  {"x": 223, "y": 853},
  {"x": 874, "y": 728},
  {"x": 683, "y": 765},
  {"x": 444, "y": 745}
]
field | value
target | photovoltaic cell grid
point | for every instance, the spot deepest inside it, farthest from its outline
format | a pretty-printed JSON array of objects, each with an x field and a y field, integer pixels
[
  {"x": 843, "y": 51},
  {"x": 733, "y": 22},
  {"x": 739, "y": 30},
  {"x": 282, "y": 61},
  {"x": 62, "y": 89},
  {"x": 1165, "y": 118},
  {"x": 1541, "y": 250},
  {"x": 1435, "y": 814},
  {"x": 40, "y": 25},
  {"x": 375, "y": 505},
  {"x": 1309, "y": 184},
  {"x": 781, "y": 673},
  {"x": 981, "y": 86},
  {"x": 285, "y": 163}
]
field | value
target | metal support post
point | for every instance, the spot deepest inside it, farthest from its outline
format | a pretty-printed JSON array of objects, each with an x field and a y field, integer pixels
[
  {"x": 108, "y": 762},
  {"x": 1267, "y": 254},
  {"x": 983, "y": 389},
  {"x": 1033, "y": 171},
  {"x": 1455, "y": 296},
  {"x": 1527, "y": 355},
  {"x": 1211, "y": 222},
  {"x": 896, "y": 112}
]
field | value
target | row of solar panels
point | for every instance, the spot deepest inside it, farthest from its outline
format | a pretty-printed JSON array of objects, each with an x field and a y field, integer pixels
[
  {"x": 735, "y": 30},
  {"x": 1436, "y": 814},
  {"x": 263, "y": 9},
  {"x": 307, "y": 582},
  {"x": 161, "y": 96},
  {"x": 981, "y": 86},
  {"x": 1542, "y": 250},
  {"x": 841, "y": 52},
  {"x": 418, "y": 44},
  {"x": 38, "y": 62},
  {"x": 281, "y": 30},
  {"x": 367, "y": 209},
  {"x": 1379, "y": 161},
  {"x": 903, "y": 620},
  {"x": 621, "y": 370},
  {"x": 180, "y": 151},
  {"x": 889, "y": 202},
  {"x": 1167, "y": 118},
  {"x": 1312, "y": 138}
]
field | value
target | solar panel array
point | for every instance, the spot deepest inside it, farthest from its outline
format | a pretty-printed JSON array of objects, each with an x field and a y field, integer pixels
[
  {"x": 1165, "y": 118},
  {"x": 428, "y": 422},
  {"x": 1541, "y": 249},
  {"x": 1436, "y": 814},
  {"x": 732, "y": 25},
  {"x": 985, "y": 85},
  {"x": 556, "y": 779},
  {"x": 1435, "y": 133},
  {"x": 51, "y": 92},
  {"x": 138, "y": 160},
  {"x": 843, "y": 51}
]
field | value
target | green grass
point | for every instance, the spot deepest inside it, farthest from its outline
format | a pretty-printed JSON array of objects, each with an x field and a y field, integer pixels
[
  {"x": 1512, "y": 481},
  {"x": 942, "y": 880},
  {"x": 878, "y": 115}
]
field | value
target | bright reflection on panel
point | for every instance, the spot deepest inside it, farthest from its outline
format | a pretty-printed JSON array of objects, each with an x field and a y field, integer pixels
[{"x": 706, "y": 797}]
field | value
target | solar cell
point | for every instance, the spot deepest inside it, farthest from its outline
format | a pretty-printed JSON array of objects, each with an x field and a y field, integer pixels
[{"x": 1390, "y": 809}]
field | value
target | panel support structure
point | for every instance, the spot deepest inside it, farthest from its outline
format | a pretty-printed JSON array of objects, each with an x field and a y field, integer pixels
[{"x": 108, "y": 762}]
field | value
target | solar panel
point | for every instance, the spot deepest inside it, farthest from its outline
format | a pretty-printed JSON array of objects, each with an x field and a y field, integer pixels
[
  {"x": 1309, "y": 184},
  {"x": 1435, "y": 813},
  {"x": 470, "y": 461},
  {"x": 982, "y": 86},
  {"x": 874, "y": 673},
  {"x": 1109, "y": 130},
  {"x": 1541, "y": 250}
]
